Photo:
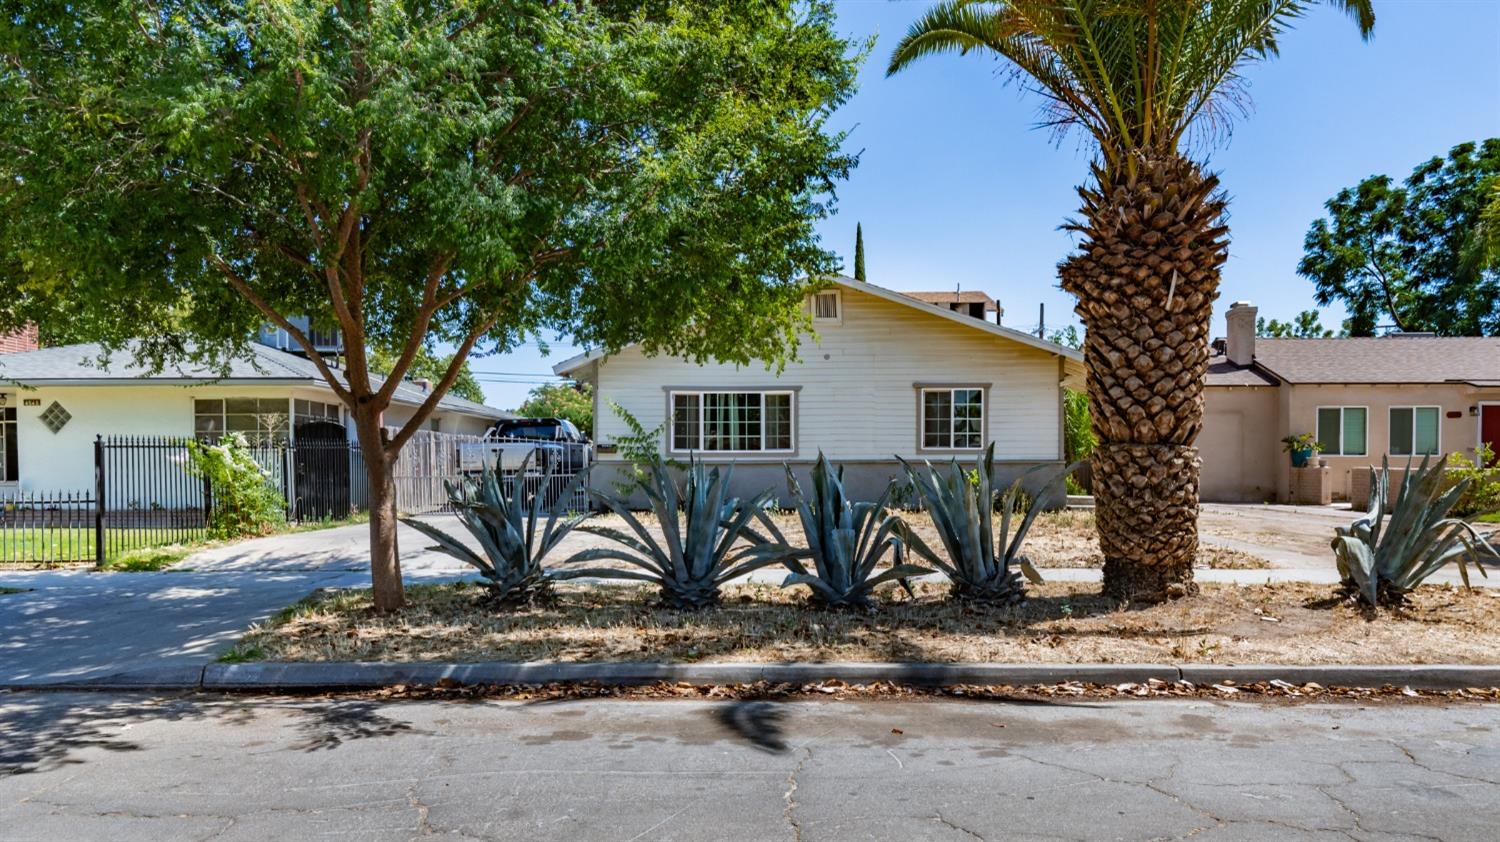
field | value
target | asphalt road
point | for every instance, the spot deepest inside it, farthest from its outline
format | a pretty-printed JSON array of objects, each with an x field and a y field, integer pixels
[{"x": 120, "y": 768}]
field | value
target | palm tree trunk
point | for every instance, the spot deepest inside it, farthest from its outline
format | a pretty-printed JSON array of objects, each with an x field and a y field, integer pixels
[{"x": 1146, "y": 278}]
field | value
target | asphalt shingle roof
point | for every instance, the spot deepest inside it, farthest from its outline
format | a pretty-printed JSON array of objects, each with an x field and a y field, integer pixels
[
  {"x": 80, "y": 364},
  {"x": 1386, "y": 359}
]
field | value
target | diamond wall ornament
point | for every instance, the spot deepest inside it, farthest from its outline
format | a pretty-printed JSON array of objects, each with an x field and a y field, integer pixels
[{"x": 55, "y": 417}]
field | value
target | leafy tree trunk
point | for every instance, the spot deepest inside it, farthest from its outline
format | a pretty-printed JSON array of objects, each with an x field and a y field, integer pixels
[
  {"x": 385, "y": 564},
  {"x": 1146, "y": 278}
]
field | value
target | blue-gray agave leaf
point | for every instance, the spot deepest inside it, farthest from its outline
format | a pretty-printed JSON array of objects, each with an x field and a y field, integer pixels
[
  {"x": 1394, "y": 547},
  {"x": 961, "y": 506},
  {"x": 695, "y": 552},
  {"x": 505, "y": 527},
  {"x": 846, "y": 540}
]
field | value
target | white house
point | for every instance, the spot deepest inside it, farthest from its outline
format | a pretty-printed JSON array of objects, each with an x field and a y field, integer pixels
[
  {"x": 54, "y": 401},
  {"x": 886, "y": 375}
]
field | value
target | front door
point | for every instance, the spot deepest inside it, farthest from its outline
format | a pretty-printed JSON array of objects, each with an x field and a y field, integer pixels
[{"x": 1489, "y": 427}]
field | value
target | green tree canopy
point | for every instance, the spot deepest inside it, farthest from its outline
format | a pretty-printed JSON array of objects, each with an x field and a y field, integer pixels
[
  {"x": 463, "y": 172},
  {"x": 1409, "y": 254},
  {"x": 562, "y": 400},
  {"x": 1306, "y": 325}
]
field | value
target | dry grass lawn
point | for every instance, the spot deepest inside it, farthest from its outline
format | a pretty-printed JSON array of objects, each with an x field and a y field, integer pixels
[
  {"x": 1062, "y": 622},
  {"x": 1057, "y": 539}
]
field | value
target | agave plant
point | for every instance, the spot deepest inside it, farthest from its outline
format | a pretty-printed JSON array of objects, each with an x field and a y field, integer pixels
[
  {"x": 1383, "y": 561},
  {"x": 695, "y": 554},
  {"x": 962, "y": 510},
  {"x": 511, "y": 550},
  {"x": 846, "y": 540}
]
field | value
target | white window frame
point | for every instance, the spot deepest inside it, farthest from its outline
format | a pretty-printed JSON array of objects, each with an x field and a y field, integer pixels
[
  {"x": 1413, "y": 451},
  {"x": 984, "y": 417},
  {"x": 671, "y": 426},
  {"x": 1342, "y": 408},
  {"x": 838, "y": 307},
  {"x": 337, "y": 407},
  {"x": 291, "y": 422}
]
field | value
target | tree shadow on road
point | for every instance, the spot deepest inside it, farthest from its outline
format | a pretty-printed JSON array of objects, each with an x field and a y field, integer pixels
[
  {"x": 41, "y": 732},
  {"x": 758, "y": 722}
]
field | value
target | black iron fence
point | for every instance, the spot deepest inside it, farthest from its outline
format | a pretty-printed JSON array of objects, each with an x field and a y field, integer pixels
[
  {"x": 146, "y": 495},
  {"x": 48, "y": 528}
]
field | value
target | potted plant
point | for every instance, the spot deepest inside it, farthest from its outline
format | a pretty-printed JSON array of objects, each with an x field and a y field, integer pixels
[{"x": 1302, "y": 447}]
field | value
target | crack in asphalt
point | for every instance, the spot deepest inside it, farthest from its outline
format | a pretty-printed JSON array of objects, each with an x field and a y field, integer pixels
[
  {"x": 790, "y": 796},
  {"x": 424, "y": 826},
  {"x": 958, "y": 827}
]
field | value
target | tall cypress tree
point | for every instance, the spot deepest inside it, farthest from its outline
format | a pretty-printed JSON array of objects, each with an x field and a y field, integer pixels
[{"x": 859, "y": 252}]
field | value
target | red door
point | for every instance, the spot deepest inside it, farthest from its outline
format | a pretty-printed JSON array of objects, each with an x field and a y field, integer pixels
[{"x": 1489, "y": 428}]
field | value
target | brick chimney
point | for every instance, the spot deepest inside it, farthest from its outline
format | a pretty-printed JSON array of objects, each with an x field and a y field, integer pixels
[
  {"x": 1239, "y": 344},
  {"x": 24, "y": 339}
]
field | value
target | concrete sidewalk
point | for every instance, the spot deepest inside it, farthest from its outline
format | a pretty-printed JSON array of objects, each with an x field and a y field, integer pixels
[{"x": 76, "y": 624}]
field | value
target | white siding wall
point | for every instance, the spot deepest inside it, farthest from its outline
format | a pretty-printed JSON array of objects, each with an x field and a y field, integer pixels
[{"x": 857, "y": 399}]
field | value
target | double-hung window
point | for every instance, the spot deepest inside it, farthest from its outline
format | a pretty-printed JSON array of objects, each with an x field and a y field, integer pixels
[
  {"x": 732, "y": 422},
  {"x": 1414, "y": 430},
  {"x": 1342, "y": 430},
  {"x": 952, "y": 418}
]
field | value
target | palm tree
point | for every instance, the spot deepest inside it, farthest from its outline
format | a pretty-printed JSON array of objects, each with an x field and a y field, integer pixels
[{"x": 1145, "y": 79}]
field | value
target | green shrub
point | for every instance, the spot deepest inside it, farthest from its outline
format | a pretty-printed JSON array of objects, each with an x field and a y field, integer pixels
[
  {"x": 640, "y": 447},
  {"x": 1381, "y": 562},
  {"x": 245, "y": 501},
  {"x": 845, "y": 540},
  {"x": 1482, "y": 496},
  {"x": 700, "y": 525},
  {"x": 511, "y": 547}
]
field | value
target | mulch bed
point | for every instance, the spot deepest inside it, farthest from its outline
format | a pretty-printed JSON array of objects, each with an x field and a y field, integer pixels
[{"x": 1294, "y": 623}]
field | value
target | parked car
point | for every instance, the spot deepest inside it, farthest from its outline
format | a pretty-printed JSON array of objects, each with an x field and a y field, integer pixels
[{"x": 550, "y": 442}]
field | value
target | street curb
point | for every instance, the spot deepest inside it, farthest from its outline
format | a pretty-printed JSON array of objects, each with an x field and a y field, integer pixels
[
  {"x": 1423, "y": 676},
  {"x": 368, "y": 675},
  {"x": 309, "y": 677}
]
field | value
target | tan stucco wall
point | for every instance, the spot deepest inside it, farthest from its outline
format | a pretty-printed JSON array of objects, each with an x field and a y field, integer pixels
[
  {"x": 1238, "y": 443},
  {"x": 1258, "y": 417},
  {"x": 1454, "y": 434}
]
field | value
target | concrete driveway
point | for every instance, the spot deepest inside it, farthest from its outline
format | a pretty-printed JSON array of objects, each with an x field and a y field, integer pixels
[
  {"x": 340, "y": 548},
  {"x": 1286, "y": 536}
]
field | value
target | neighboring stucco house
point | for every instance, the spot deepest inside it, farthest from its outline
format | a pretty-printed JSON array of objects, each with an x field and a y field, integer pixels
[
  {"x": 887, "y": 374},
  {"x": 1396, "y": 396},
  {"x": 54, "y": 401}
]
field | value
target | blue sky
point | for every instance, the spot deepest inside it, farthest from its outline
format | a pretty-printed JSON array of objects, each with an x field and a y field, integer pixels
[{"x": 956, "y": 188}]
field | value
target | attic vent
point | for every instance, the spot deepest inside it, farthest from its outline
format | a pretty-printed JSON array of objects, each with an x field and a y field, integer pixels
[{"x": 55, "y": 417}]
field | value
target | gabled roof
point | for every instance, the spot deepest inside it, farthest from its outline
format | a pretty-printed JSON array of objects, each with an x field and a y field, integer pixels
[
  {"x": 1385, "y": 359},
  {"x": 1072, "y": 358},
  {"x": 76, "y": 365},
  {"x": 968, "y": 296}
]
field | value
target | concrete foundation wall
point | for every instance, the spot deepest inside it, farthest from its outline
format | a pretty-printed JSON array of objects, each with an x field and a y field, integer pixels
[{"x": 863, "y": 480}]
